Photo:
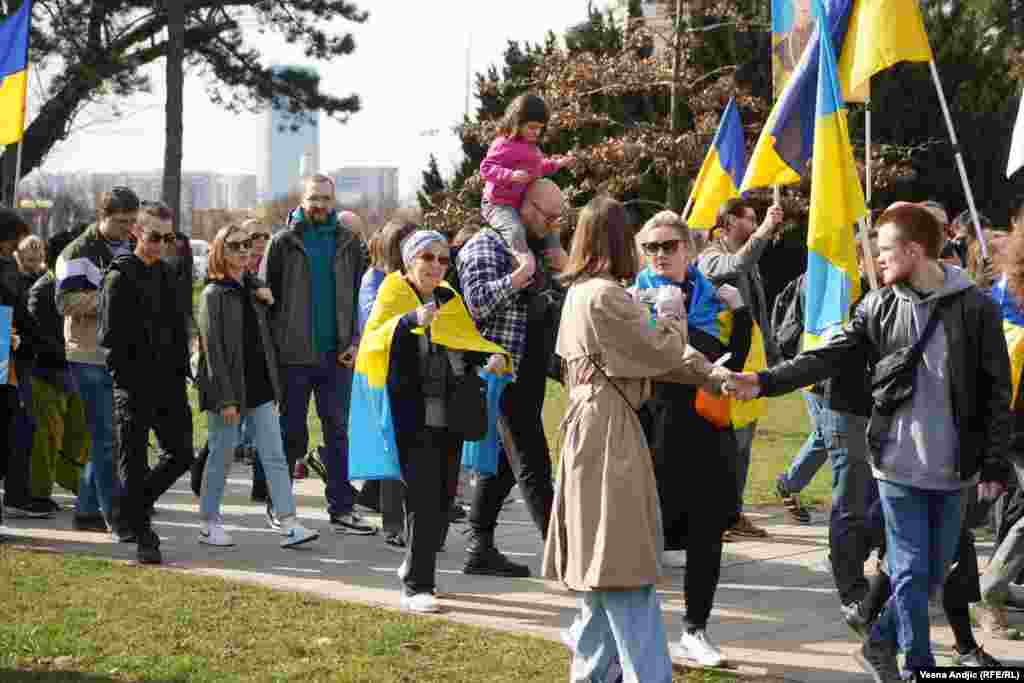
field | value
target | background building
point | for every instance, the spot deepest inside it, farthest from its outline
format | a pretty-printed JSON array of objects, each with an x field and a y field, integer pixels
[
  {"x": 374, "y": 188},
  {"x": 288, "y": 142}
]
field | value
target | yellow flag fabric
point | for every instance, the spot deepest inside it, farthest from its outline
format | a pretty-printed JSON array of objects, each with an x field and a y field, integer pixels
[
  {"x": 1014, "y": 334},
  {"x": 373, "y": 452},
  {"x": 452, "y": 327},
  {"x": 881, "y": 33}
]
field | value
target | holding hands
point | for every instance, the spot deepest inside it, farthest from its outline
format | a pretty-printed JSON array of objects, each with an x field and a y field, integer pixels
[
  {"x": 742, "y": 385},
  {"x": 495, "y": 364}
]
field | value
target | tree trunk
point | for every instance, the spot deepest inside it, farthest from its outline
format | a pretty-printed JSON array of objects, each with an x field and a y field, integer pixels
[{"x": 174, "y": 107}]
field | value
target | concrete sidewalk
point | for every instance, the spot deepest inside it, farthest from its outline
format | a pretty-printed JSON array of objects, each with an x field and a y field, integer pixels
[{"x": 775, "y": 613}]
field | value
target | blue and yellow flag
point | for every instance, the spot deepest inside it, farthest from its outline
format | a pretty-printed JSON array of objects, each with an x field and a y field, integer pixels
[
  {"x": 14, "y": 32},
  {"x": 837, "y": 203},
  {"x": 881, "y": 33},
  {"x": 1013, "y": 330},
  {"x": 722, "y": 172},
  {"x": 705, "y": 311},
  {"x": 371, "y": 432},
  {"x": 786, "y": 144}
]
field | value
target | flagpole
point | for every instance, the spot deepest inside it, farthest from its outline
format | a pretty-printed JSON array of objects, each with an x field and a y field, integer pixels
[
  {"x": 959, "y": 159},
  {"x": 17, "y": 172},
  {"x": 865, "y": 223}
]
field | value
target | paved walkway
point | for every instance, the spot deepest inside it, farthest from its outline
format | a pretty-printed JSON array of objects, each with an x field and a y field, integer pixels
[{"x": 775, "y": 611}]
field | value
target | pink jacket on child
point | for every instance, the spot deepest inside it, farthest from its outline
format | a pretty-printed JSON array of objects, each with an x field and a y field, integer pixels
[{"x": 505, "y": 156}]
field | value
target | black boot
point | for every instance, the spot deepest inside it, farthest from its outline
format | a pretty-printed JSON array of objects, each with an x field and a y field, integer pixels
[
  {"x": 483, "y": 558},
  {"x": 148, "y": 551}
]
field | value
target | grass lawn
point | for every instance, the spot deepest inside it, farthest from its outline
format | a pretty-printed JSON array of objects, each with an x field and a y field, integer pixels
[{"x": 81, "y": 619}]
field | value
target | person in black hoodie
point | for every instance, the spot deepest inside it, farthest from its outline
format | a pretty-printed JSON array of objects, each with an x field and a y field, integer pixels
[{"x": 143, "y": 326}]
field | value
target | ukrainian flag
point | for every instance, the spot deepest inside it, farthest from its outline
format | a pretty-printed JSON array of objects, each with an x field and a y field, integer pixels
[
  {"x": 786, "y": 144},
  {"x": 881, "y": 34},
  {"x": 837, "y": 203},
  {"x": 707, "y": 312},
  {"x": 14, "y": 32},
  {"x": 723, "y": 170},
  {"x": 1013, "y": 329},
  {"x": 373, "y": 453}
]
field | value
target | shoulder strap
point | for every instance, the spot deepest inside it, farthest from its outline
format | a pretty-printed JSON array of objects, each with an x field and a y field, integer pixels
[
  {"x": 609, "y": 380},
  {"x": 918, "y": 349}
]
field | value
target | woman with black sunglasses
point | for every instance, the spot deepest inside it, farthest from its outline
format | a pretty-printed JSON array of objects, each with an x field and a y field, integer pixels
[{"x": 238, "y": 379}]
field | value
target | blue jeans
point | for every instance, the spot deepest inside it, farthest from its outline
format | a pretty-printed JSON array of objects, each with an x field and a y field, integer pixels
[
  {"x": 331, "y": 385},
  {"x": 99, "y": 486},
  {"x": 813, "y": 453},
  {"x": 264, "y": 427},
  {"x": 922, "y": 530},
  {"x": 624, "y": 625}
]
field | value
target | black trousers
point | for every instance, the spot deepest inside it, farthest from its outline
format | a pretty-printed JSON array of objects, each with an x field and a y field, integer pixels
[
  {"x": 8, "y": 412},
  {"x": 424, "y": 459},
  {"x": 160, "y": 404},
  {"x": 530, "y": 462},
  {"x": 17, "y": 484},
  {"x": 703, "y": 569}
]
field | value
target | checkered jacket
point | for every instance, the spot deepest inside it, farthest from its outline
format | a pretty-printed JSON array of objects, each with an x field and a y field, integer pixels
[{"x": 485, "y": 266}]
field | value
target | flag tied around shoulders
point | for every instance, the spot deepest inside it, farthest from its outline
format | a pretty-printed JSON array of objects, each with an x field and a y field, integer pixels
[
  {"x": 722, "y": 172},
  {"x": 706, "y": 311},
  {"x": 371, "y": 431},
  {"x": 837, "y": 203},
  {"x": 14, "y": 34}
]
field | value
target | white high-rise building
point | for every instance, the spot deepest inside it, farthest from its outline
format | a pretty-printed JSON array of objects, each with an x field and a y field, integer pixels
[
  {"x": 292, "y": 147},
  {"x": 374, "y": 187}
]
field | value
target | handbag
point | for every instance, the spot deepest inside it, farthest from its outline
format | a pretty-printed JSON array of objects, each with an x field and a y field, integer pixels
[
  {"x": 717, "y": 410},
  {"x": 467, "y": 406}
]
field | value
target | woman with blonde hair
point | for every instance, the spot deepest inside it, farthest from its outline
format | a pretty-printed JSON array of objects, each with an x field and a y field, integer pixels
[
  {"x": 238, "y": 378},
  {"x": 611, "y": 349}
]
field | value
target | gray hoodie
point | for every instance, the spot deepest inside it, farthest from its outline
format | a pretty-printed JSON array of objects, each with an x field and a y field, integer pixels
[{"x": 923, "y": 442}]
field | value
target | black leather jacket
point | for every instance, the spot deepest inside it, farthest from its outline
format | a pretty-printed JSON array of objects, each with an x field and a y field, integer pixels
[{"x": 979, "y": 368}]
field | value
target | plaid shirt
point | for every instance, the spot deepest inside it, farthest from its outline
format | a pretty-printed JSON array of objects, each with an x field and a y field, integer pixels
[{"x": 485, "y": 273}]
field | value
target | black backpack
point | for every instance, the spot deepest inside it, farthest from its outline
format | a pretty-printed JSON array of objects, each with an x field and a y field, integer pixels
[{"x": 788, "y": 318}]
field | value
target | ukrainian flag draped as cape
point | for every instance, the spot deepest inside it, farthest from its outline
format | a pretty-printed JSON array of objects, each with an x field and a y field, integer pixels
[
  {"x": 1013, "y": 329},
  {"x": 708, "y": 313},
  {"x": 371, "y": 432}
]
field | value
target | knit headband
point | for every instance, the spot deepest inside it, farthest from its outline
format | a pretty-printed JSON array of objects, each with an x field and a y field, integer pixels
[{"x": 416, "y": 242}]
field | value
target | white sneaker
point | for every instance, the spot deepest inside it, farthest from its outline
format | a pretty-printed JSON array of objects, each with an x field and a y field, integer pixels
[
  {"x": 214, "y": 534},
  {"x": 424, "y": 603},
  {"x": 676, "y": 559},
  {"x": 295, "y": 535},
  {"x": 696, "y": 647},
  {"x": 403, "y": 570}
]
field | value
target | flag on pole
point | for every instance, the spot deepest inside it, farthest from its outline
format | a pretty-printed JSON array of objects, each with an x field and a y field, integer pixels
[
  {"x": 1016, "y": 160},
  {"x": 881, "y": 33},
  {"x": 837, "y": 202},
  {"x": 14, "y": 32},
  {"x": 784, "y": 148},
  {"x": 793, "y": 23},
  {"x": 722, "y": 172}
]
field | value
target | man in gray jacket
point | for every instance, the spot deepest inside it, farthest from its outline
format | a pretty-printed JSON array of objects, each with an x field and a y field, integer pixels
[
  {"x": 731, "y": 257},
  {"x": 314, "y": 268}
]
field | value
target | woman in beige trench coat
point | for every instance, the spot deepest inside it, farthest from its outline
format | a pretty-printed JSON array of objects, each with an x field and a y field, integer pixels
[{"x": 604, "y": 539}]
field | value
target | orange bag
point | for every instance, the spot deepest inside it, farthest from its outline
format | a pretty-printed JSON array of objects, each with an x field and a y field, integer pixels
[{"x": 715, "y": 409}]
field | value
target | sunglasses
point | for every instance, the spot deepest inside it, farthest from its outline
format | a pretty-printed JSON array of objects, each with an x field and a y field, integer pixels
[
  {"x": 158, "y": 237},
  {"x": 261, "y": 236},
  {"x": 668, "y": 247},
  {"x": 427, "y": 257},
  {"x": 238, "y": 245}
]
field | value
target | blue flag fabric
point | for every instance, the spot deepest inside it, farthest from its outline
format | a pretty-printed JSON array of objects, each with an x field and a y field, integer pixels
[{"x": 482, "y": 456}]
